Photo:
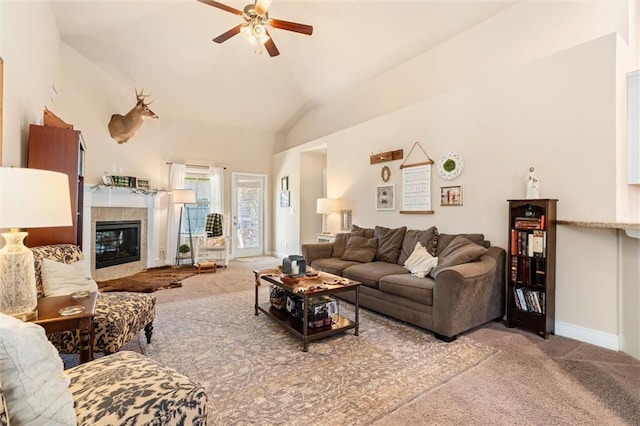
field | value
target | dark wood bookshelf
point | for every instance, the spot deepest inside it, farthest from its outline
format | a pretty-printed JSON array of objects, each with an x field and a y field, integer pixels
[{"x": 531, "y": 269}]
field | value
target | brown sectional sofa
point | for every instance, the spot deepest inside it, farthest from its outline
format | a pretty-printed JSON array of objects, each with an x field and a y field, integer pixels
[{"x": 466, "y": 288}]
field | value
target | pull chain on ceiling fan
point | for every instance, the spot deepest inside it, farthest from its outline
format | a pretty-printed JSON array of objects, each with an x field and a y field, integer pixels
[{"x": 254, "y": 30}]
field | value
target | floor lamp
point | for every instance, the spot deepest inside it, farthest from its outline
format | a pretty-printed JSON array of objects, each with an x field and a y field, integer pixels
[
  {"x": 184, "y": 196},
  {"x": 29, "y": 198}
]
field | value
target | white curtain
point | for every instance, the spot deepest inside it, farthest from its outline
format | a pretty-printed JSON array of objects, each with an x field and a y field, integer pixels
[
  {"x": 176, "y": 181},
  {"x": 216, "y": 180}
]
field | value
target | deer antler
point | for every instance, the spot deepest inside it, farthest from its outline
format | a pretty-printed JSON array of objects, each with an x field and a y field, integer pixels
[{"x": 140, "y": 96}]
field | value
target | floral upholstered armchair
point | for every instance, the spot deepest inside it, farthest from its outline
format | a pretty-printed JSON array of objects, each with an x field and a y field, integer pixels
[
  {"x": 125, "y": 388},
  {"x": 119, "y": 316}
]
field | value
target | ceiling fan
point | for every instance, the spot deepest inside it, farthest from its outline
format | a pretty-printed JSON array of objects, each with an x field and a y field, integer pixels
[{"x": 254, "y": 30}]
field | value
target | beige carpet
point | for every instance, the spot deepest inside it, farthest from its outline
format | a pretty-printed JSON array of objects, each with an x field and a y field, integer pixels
[
  {"x": 256, "y": 373},
  {"x": 254, "y": 258},
  {"x": 529, "y": 381}
]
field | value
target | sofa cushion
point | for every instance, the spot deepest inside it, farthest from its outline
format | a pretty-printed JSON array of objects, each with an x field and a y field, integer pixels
[
  {"x": 389, "y": 243},
  {"x": 370, "y": 273},
  {"x": 428, "y": 238},
  {"x": 420, "y": 263},
  {"x": 445, "y": 239},
  {"x": 33, "y": 382},
  {"x": 406, "y": 285},
  {"x": 362, "y": 232},
  {"x": 59, "y": 279},
  {"x": 332, "y": 265},
  {"x": 460, "y": 250},
  {"x": 360, "y": 249},
  {"x": 340, "y": 244}
]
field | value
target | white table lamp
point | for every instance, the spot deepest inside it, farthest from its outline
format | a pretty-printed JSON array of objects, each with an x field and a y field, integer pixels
[
  {"x": 326, "y": 206},
  {"x": 29, "y": 198}
]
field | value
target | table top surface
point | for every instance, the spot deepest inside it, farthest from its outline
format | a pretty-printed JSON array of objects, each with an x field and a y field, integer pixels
[
  {"x": 323, "y": 282},
  {"x": 49, "y": 307}
]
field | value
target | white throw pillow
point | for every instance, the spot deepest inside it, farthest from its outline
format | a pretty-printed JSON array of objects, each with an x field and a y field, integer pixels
[
  {"x": 33, "y": 383},
  {"x": 420, "y": 262},
  {"x": 60, "y": 278}
]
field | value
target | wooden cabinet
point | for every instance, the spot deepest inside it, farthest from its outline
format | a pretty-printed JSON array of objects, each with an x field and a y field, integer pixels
[
  {"x": 532, "y": 265},
  {"x": 61, "y": 150}
]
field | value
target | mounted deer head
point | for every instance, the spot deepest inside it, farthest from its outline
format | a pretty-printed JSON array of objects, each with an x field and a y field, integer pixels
[{"x": 123, "y": 127}]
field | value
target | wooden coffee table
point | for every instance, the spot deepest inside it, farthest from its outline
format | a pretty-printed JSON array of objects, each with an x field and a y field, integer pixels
[
  {"x": 52, "y": 321},
  {"x": 313, "y": 287}
]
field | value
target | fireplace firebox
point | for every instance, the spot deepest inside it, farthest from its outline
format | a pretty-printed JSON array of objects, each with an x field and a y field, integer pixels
[{"x": 117, "y": 242}]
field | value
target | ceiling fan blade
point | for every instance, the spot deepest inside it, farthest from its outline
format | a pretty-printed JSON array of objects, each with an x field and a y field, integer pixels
[
  {"x": 221, "y": 6},
  {"x": 271, "y": 46},
  {"x": 226, "y": 36},
  {"x": 291, "y": 26},
  {"x": 262, "y": 6}
]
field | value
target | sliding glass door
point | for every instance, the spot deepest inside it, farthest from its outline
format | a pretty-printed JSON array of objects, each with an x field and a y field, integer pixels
[{"x": 248, "y": 201}]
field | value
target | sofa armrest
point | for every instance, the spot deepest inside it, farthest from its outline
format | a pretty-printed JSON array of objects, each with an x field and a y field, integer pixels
[
  {"x": 466, "y": 296},
  {"x": 313, "y": 251}
]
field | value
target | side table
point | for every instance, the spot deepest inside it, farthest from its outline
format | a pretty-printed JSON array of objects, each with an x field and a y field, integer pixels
[{"x": 50, "y": 319}]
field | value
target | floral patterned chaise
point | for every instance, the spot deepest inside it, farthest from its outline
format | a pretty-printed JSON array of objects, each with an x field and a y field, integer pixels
[{"x": 119, "y": 316}]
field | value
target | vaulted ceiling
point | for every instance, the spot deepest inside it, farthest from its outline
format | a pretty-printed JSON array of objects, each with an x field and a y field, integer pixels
[{"x": 165, "y": 47}]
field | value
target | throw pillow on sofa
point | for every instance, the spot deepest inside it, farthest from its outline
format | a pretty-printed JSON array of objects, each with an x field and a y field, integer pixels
[
  {"x": 360, "y": 249},
  {"x": 389, "y": 243},
  {"x": 428, "y": 238},
  {"x": 340, "y": 244},
  {"x": 420, "y": 262},
  {"x": 33, "y": 383},
  {"x": 59, "y": 279},
  {"x": 460, "y": 250}
]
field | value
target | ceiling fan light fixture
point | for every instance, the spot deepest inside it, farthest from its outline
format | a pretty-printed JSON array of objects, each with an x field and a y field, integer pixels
[{"x": 255, "y": 34}]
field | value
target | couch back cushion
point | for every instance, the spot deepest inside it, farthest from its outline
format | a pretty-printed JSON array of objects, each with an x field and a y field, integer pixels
[
  {"x": 340, "y": 244},
  {"x": 428, "y": 238},
  {"x": 362, "y": 232},
  {"x": 66, "y": 253},
  {"x": 445, "y": 239},
  {"x": 360, "y": 249},
  {"x": 389, "y": 243}
]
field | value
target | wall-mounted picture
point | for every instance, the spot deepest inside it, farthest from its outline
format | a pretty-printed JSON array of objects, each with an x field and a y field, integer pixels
[
  {"x": 385, "y": 197},
  {"x": 451, "y": 196},
  {"x": 345, "y": 220},
  {"x": 284, "y": 183},
  {"x": 284, "y": 199}
]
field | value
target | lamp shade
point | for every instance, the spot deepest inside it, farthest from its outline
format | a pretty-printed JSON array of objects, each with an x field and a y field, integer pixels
[
  {"x": 29, "y": 198},
  {"x": 326, "y": 206},
  {"x": 33, "y": 198},
  {"x": 184, "y": 196}
]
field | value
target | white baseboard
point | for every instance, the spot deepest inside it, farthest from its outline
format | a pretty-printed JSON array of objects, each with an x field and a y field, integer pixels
[{"x": 594, "y": 337}]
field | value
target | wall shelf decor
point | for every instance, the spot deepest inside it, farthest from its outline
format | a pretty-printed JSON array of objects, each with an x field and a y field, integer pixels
[{"x": 382, "y": 157}]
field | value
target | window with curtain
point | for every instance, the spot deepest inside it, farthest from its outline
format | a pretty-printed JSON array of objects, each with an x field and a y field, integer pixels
[{"x": 205, "y": 184}]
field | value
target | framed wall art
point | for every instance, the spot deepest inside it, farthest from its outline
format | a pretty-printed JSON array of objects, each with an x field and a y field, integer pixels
[
  {"x": 284, "y": 183},
  {"x": 345, "y": 220},
  {"x": 385, "y": 197},
  {"x": 451, "y": 195},
  {"x": 285, "y": 200}
]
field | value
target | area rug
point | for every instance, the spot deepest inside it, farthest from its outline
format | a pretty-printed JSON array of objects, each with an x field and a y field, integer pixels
[
  {"x": 255, "y": 372},
  {"x": 150, "y": 280}
]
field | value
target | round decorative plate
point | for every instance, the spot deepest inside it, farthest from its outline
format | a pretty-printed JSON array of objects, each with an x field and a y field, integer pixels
[{"x": 450, "y": 165}]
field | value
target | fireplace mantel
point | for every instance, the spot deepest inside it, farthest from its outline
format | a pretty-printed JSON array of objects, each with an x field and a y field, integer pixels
[{"x": 100, "y": 196}]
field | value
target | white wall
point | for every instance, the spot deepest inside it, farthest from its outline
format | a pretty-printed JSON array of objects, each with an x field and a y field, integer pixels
[
  {"x": 34, "y": 59},
  {"x": 557, "y": 114}
]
